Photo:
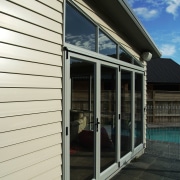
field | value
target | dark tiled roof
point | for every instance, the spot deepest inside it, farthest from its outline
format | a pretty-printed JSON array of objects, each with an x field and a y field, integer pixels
[{"x": 162, "y": 70}]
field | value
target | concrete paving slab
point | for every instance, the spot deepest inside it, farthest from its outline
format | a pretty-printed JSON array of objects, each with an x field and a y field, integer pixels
[{"x": 150, "y": 167}]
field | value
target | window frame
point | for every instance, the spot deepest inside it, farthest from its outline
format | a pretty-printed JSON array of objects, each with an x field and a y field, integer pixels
[{"x": 118, "y": 45}]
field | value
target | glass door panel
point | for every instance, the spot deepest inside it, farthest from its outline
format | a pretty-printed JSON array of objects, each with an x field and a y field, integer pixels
[
  {"x": 82, "y": 120},
  {"x": 126, "y": 115},
  {"x": 138, "y": 137},
  {"x": 108, "y": 117},
  {"x": 93, "y": 141}
]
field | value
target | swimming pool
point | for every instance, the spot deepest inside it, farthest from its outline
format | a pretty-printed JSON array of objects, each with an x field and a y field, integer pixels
[{"x": 166, "y": 134}]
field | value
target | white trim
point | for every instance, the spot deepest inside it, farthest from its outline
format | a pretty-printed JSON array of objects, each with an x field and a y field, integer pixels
[
  {"x": 107, "y": 61},
  {"x": 66, "y": 103},
  {"x": 110, "y": 170},
  {"x": 105, "y": 58},
  {"x": 133, "y": 109}
]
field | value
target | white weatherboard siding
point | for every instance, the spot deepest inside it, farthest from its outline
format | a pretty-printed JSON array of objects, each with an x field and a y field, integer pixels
[{"x": 31, "y": 89}]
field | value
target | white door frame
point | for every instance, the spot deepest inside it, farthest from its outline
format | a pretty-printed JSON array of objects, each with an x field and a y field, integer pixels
[{"x": 98, "y": 60}]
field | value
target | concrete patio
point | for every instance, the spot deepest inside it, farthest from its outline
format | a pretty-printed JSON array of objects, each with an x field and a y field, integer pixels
[
  {"x": 153, "y": 166},
  {"x": 150, "y": 167}
]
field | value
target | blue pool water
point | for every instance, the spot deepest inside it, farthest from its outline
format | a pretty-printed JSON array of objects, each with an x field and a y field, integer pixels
[{"x": 167, "y": 134}]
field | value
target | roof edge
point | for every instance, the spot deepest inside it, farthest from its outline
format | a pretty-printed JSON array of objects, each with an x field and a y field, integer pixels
[{"x": 127, "y": 8}]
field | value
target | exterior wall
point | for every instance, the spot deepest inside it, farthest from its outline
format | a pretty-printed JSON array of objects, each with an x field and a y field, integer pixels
[
  {"x": 97, "y": 19},
  {"x": 31, "y": 87}
]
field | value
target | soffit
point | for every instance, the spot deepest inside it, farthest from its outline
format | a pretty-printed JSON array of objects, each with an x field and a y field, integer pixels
[{"x": 121, "y": 18}]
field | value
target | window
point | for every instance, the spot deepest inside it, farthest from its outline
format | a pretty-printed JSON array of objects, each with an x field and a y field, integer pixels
[
  {"x": 79, "y": 30},
  {"x": 106, "y": 45},
  {"x": 124, "y": 56},
  {"x": 82, "y": 32}
]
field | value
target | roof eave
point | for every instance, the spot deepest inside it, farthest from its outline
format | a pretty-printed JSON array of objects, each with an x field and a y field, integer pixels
[{"x": 140, "y": 26}]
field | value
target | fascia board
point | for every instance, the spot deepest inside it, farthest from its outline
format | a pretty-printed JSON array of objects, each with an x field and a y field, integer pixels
[{"x": 138, "y": 24}]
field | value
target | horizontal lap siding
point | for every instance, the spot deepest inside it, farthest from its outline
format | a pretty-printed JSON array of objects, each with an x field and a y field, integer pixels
[
  {"x": 24, "y": 54},
  {"x": 28, "y": 68},
  {"x": 27, "y": 94},
  {"x": 27, "y": 15},
  {"x": 18, "y": 39},
  {"x": 39, "y": 171},
  {"x": 31, "y": 89}
]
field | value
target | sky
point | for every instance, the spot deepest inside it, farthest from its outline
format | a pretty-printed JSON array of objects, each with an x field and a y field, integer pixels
[{"x": 161, "y": 19}]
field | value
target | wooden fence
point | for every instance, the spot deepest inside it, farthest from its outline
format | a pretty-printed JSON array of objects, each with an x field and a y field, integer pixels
[{"x": 163, "y": 107}]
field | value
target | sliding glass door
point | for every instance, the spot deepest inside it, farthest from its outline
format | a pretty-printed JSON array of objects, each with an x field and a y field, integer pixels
[
  {"x": 126, "y": 112},
  {"x": 92, "y": 118},
  {"x": 131, "y": 131},
  {"x": 82, "y": 119},
  {"x": 104, "y": 116},
  {"x": 138, "y": 133},
  {"x": 108, "y": 130}
]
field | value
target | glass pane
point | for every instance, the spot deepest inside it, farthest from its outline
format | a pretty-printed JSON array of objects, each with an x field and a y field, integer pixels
[
  {"x": 124, "y": 56},
  {"x": 106, "y": 45},
  {"x": 79, "y": 30},
  {"x": 126, "y": 117},
  {"x": 138, "y": 109},
  {"x": 136, "y": 62},
  {"x": 108, "y": 116},
  {"x": 81, "y": 120}
]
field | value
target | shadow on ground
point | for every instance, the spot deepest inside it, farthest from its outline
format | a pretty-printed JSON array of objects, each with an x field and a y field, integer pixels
[{"x": 150, "y": 167}]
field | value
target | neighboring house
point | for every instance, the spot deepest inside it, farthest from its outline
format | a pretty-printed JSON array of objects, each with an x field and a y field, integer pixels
[
  {"x": 73, "y": 88},
  {"x": 163, "y": 88}
]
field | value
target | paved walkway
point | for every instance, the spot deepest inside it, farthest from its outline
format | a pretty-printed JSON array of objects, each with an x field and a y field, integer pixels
[{"x": 150, "y": 167}]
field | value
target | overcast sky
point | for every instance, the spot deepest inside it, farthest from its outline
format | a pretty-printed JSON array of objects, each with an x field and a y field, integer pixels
[{"x": 161, "y": 19}]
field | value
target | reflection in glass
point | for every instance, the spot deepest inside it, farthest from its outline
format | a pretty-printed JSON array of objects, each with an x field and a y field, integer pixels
[
  {"x": 106, "y": 45},
  {"x": 108, "y": 116},
  {"x": 124, "y": 56},
  {"x": 138, "y": 109},
  {"x": 79, "y": 31},
  {"x": 136, "y": 62},
  {"x": 126, "y": 117},
  {"x": 81, "y": 120}
]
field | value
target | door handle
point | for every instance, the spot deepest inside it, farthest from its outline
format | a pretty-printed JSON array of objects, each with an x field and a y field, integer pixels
[{"x": 97, "y": 124}]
